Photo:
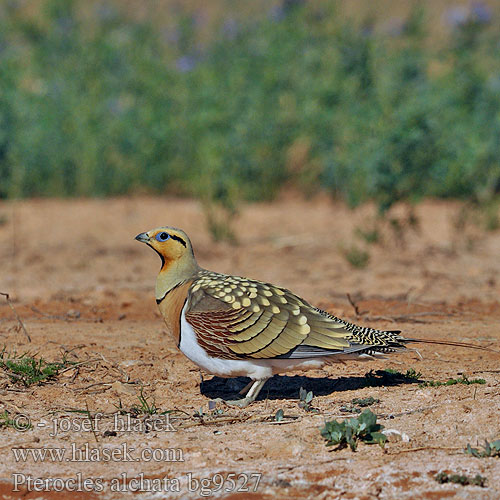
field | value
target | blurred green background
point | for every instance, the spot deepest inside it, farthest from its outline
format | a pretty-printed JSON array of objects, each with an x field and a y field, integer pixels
[{"x": 230, "y": 101}]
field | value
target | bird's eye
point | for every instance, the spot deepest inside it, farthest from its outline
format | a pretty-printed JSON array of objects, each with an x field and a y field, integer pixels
[{"x": 162, "y": 236}]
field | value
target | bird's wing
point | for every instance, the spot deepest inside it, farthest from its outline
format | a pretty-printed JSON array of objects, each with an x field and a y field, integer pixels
[{"x": 239, "y": 318}]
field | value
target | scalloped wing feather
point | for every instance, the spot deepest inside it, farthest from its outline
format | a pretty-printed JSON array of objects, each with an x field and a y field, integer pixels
[{"x": 239, "y": 318}]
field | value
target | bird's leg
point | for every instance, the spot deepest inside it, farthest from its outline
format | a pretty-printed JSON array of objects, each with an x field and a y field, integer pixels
[
  {"x": 256, "y": 386},
  {"x": 255, "y": 389}
]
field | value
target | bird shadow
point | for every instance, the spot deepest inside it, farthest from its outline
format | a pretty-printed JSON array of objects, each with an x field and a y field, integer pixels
[{"x": 288, "y": 387}]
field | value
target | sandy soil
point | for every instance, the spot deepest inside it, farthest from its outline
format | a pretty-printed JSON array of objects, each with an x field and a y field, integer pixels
[{"x": 84, "y": 289}]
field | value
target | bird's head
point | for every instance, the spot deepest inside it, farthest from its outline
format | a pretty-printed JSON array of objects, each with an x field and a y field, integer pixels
[
  {"x": 171, "y": 244},
  {"x": 176, "y": 253}
]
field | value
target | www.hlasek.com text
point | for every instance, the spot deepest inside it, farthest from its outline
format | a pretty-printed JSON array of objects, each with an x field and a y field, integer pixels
[{"x": 87, "y": 453}]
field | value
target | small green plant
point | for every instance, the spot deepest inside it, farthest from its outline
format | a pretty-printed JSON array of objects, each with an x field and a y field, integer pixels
[
  {"x": 18, "y": 422},
  {"x": 453, "y": 381},
  {"x": 357, "y": 403},
  {"x": 29, "y": 370},
  {"x": 477, "y": 480},
  {"x": 220, "y": 221},
  {"x": 350, "y": 431},
  {"x": 485, "y": 214},
  {"x": 278, "y": 417},
  {"x": 390, "y": 377},
  {"x": 490, "y": 216},
  {"x": 411, "y": 373},
  {"x": 492, "y": 222},
  {"x": 199, "y": 413},
  {"x": 5, "y": 420},
  {"x": 371, "y": 236},
  {"x": 357, "y": 257},
  {"x": 305, "y": 400},
  {"x": 489, "y": 450},
  {"x": 212, "y": 408},
  {"x": 145, "y": 407},
  {"x": 121, "y": 409}
]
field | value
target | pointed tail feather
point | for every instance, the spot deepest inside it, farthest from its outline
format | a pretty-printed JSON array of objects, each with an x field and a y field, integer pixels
[{"x": 450, "y": 343}]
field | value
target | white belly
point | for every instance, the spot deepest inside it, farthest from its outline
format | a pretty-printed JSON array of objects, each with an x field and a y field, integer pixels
[{"x": 257, "y": 369}]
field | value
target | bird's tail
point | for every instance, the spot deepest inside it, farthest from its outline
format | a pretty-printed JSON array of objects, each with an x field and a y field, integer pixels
[{"x": 390, "y": 340}]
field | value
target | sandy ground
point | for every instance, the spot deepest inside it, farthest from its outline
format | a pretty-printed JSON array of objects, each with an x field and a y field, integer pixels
[{"x": 84, "y": 289}]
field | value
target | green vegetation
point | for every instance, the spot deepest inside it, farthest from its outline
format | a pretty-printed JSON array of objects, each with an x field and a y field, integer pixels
[
  {"x": 305, "y": 400},
  {"x": 352, "y": 430},
  {"x": 29, "y": 370},
  {"x": 411, "y": 373},
  {"x": 18, "y": 422},
  {"x": 477, "y": 480},
  {"x": 453, "y": 381},
  {"x": 278, "y": 417},
  {"x": 489, "y": 450},
  {"x": 390, "y": 377},
  {"x": 365, "y": 401},
  {"x": 6, "y": 421},
  {"x": 357, "y": 403},
  {"x": 370, "y": 236},
  {"x": 145, "y": 407},
  {"x": 357, "y": 257},
  {"x": 100, "y": 104}
]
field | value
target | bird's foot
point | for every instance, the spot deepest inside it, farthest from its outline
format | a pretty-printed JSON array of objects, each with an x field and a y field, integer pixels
[
  {"x": 253, "y": 392},
  {"x": 239, "y": 403}
]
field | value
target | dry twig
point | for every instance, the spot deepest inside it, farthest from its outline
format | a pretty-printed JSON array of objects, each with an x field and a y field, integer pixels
[
  {"x": 353, "y": 304},
  {"x": 423, "y": 448},
  {"x": 49, "y": 316},
  {"x": 92, "y": 385},
  {"x": 81, "y": 363},
  {"x": 7, "y": 297},
  {"x": 91, "y": 422},
  {"x": 408, "y": 318}
]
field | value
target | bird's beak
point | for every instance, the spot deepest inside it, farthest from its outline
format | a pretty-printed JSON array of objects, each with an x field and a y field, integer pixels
[{"x": 143, "y": 237}]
